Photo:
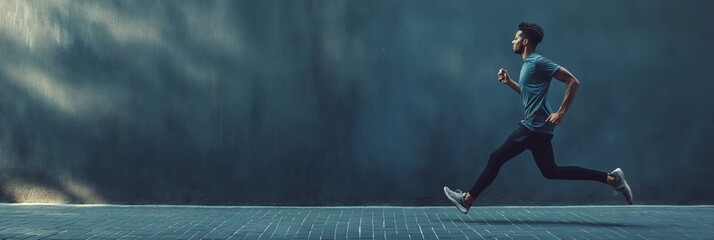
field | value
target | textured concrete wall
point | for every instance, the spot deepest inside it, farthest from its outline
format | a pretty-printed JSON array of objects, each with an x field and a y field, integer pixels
[{"x": 343, "y": 102}]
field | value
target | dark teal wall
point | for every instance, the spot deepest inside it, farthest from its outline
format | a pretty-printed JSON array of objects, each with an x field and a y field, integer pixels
[{"x": 343, "y": 102}]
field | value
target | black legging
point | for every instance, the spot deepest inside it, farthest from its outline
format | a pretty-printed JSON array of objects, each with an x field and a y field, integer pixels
[{"x": 539, "y": 144}]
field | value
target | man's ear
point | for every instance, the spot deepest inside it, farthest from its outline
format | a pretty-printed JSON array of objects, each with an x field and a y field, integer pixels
[{"x": 525, "y": 41}]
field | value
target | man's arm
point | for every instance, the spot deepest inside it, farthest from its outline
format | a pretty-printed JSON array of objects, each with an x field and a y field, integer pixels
[
  {"x": 504, "y": 78},
  {"x": 571, "y": 89}
]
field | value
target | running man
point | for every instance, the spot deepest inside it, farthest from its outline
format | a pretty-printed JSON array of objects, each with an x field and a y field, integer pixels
[{"x": 535, "y": 131}]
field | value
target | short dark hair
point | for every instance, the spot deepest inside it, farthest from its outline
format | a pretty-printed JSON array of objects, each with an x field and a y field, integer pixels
[{"x": 532, "y": 32}]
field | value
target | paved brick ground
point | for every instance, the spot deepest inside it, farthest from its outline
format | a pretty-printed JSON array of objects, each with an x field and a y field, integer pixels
[{"x": 196, "y": 222}]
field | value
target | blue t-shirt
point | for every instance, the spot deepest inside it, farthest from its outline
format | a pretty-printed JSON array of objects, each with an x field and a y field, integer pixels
[{"x": 536, "y": 73}]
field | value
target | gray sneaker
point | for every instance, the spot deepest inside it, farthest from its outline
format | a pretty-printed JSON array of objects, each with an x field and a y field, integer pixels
[
  {"x": 457, "y": 197},
  {"x": 621, "y": 185}
]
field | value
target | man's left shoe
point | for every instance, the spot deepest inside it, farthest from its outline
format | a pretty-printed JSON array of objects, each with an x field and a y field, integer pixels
[
  {"x": 621, "y": 185},
  {"x": 457, "y": 198}
]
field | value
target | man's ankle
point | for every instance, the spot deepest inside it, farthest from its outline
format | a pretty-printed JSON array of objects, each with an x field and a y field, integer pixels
[
  {"x": 611, "y": 179},
  {"x": 468, "y": 198}
]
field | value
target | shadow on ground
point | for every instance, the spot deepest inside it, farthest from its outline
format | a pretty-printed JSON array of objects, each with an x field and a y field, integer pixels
[{"x": 547, "y": 223}]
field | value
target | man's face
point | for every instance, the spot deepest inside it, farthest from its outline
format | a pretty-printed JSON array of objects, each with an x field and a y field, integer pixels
[{"x": 518, "y": 46}]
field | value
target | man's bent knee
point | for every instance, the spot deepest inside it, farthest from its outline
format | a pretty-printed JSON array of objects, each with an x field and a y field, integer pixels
[{"x": 549, "y": 174}]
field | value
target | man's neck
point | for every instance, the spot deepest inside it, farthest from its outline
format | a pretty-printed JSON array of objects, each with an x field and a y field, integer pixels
[{"x": 526, "y": 52}]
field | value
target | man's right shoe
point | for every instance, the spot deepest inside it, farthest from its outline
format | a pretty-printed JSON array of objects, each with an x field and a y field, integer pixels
[
  {"x": 621, "y": 185},
  {"x": 457, "y": 198}
]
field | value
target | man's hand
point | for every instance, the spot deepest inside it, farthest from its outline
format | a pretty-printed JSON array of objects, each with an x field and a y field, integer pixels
[
  {"x": 503, "y": 76},
  {"x": 555, "y": 118}
]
